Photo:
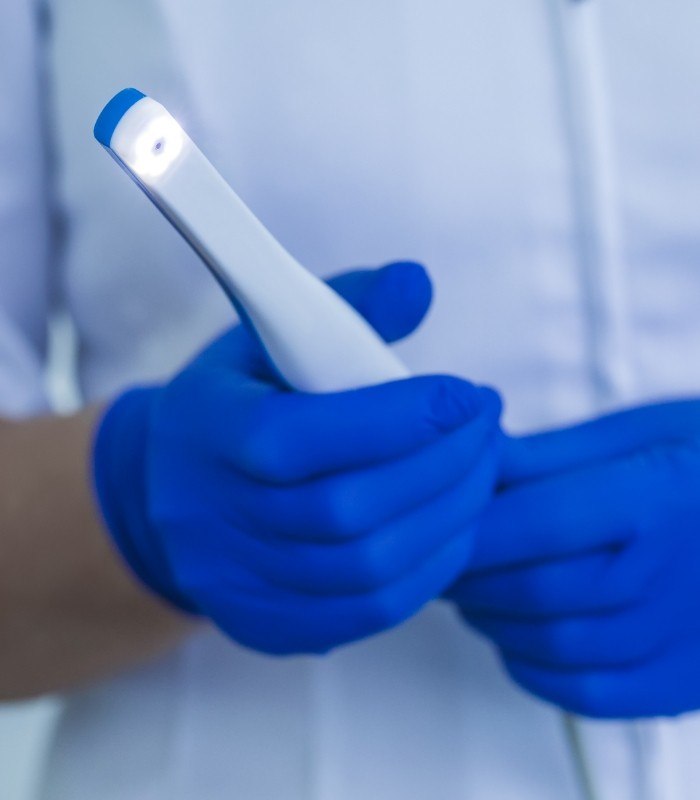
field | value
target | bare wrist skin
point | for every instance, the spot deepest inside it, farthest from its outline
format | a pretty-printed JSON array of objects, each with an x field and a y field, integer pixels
[{"x": 70, "y": 610}]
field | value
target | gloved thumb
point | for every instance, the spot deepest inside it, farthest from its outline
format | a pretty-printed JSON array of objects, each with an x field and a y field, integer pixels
[{"x": 394, "y": 299}]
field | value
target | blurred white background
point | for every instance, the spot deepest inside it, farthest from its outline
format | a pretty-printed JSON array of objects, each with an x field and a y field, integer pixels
[{"x": 24, "y": 732}]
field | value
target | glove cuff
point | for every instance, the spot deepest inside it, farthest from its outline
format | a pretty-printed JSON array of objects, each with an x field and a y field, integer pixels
[{"x": 119, "y": 479}]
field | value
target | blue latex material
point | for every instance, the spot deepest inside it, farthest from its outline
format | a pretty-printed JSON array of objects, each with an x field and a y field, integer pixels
[
  {"x": 300, "y": 522},
  {"x": 113, "y": 112},
  {"x": 586, "y": 568}
]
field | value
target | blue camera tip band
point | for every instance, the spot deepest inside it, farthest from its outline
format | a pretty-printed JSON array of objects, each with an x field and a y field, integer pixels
[{"x": 113, "y": 112}]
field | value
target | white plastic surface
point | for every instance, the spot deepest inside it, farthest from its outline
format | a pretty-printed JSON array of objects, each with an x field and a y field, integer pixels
[{"x": 315, "y": 339}]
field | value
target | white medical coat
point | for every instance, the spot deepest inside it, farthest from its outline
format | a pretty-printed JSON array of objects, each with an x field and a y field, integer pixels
[{"x": 542, "y": 157}]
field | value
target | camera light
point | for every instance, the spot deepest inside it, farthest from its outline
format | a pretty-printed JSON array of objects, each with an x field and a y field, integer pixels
[{"x": 157, "y": 147}]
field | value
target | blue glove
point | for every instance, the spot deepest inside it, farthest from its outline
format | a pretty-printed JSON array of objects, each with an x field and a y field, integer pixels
[
  {"x": 300, "y": 522},
  {"x": 586, "y": 572}
]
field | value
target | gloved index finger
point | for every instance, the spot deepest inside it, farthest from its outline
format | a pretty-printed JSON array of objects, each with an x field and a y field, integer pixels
[
  {"x": 613, "y": 436},
  {"x": 565, "y": 515},
  {"x": 293, "y": 437}
]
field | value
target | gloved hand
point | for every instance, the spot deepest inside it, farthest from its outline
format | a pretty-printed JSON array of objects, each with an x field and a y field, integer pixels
[
  {"x": 300, "y": 522},
  {"x": 586, "y": 572}
]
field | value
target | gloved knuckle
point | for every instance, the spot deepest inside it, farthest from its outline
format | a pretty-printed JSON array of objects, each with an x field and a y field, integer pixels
[
  {"x": 263, "y": 452},
  {"x": 369, "y": 566},
  {"x": 383, "y": 611},
  {"x": 339, "y": 510},
  {"x": 262, "y": 459}
]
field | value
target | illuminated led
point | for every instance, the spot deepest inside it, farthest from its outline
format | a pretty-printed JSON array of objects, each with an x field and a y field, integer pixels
[{"x": 157, "y": 147}]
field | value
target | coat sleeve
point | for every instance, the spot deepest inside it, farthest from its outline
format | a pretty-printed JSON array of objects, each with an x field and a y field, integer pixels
[{"x": 25, "y": 219}]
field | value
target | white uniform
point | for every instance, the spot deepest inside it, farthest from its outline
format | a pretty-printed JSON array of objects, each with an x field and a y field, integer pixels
[{"x": 540, "y": 156}]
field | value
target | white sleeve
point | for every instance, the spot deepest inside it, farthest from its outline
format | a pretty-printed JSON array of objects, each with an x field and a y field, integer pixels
[{"x": 24, "y": 213}]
